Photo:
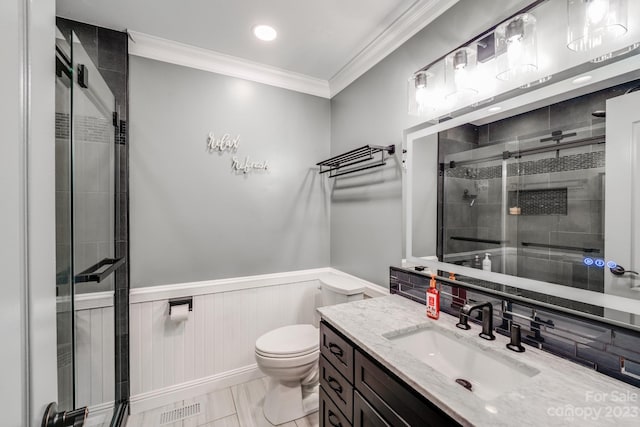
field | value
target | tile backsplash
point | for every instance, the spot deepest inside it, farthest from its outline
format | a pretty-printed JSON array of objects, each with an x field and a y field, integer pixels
[{"x": 611, "y": 350}]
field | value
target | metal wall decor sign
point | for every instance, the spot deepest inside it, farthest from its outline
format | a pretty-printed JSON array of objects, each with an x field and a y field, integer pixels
[
  {"x": 247, "y": 165},
  {"x": 230, "y": 143},
  {"x": 225, "y": 143}
]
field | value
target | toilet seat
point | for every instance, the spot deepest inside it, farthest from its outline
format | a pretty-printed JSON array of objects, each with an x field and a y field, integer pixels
[{"x": 288, "y": 342}]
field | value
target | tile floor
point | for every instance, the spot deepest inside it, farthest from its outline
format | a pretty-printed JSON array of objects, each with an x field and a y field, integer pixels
[{"x": 237, "y": 406}]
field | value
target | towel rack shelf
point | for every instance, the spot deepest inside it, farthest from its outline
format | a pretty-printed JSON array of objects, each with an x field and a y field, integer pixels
[{"x": 335, "y": 165}]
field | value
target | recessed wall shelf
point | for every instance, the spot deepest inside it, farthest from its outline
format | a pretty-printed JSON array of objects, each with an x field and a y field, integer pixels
[{"x": 367, "y": 153}]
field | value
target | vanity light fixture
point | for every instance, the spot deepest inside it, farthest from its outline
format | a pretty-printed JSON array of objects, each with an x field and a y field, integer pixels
[
  {"x": 460, "y": 74},
  {"x": 424, "y": 91},
  {"x": 265, "y": 32},
  {"x": 592, "y": 23},
  {"x": 417, "y": 93},
  {"x": 516, "y": 48}
]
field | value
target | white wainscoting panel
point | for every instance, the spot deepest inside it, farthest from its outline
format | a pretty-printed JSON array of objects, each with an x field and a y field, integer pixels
[
  {"x": 218, "y": 337},
  {"x": 95, "y": 358}
]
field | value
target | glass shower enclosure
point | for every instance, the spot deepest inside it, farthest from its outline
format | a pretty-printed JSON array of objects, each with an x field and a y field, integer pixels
[
  {"x": 533, "y": 204},
  {"x": 85, "y": 233}
]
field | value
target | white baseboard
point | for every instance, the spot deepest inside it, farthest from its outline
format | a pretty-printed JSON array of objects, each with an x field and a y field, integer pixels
[{"x": 190, "y": 389}]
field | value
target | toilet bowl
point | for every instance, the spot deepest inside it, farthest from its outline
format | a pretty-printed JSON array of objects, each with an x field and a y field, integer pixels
[{"x": 289, "y": 356}]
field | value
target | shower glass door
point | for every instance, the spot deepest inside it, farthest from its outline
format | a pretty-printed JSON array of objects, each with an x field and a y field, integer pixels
[
  {"x": 93, "y": 167},
  {"x": 85, "y": 233},
  {"x": 64, "y": 236}
]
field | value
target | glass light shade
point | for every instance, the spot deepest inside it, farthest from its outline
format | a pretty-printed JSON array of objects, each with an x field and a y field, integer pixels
[
  {"x": 461, "y": 75},
  {"x": 516, "y": 48},
  {"x": 593, "y": 23},
  {"x": 424, "y": 93}
]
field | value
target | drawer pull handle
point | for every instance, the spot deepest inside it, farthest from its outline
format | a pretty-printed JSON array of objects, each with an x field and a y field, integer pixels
[
  {"x": 335, "y": 350},
  {"x": 334, "y": 420},
  {"x": 334, "y": 384}
]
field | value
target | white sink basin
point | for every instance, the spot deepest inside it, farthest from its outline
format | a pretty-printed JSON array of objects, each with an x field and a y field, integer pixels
[{"x": 489, "y": 373}]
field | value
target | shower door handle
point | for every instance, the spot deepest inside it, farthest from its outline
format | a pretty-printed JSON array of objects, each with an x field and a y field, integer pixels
[
  {"x": 91, "y": 274},
  {"x": 53, "y": 418}
]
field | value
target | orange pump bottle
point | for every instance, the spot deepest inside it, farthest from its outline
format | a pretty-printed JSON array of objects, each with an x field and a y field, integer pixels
[{"x": 433, "y": 299}]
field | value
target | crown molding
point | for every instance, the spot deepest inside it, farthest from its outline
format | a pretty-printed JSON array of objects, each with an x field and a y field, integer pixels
[
  {"x": 147, "y": 46},
  {"x": 421, "y": 14},
  {"x": 418, "y": 16}
]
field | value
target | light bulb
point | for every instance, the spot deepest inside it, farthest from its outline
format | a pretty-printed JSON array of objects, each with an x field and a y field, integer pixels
[
  {"x": 515, "y": 52},
  {"x": 597, "y": 10},
  {"x": 421, "y": 96}
]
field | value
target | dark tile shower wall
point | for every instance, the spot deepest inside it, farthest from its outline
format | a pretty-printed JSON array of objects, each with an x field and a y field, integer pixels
[
  {"x": 613, "y": 351},
  {"x": 108, "y": 49}
]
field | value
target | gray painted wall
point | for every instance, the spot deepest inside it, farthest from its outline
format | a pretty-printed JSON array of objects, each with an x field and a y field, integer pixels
[
  {"x": 366, "y": 212},
  {"x": 192, "y": 217}
]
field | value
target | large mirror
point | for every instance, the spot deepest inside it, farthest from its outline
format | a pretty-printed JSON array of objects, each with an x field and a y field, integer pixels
[{"x": 538, "y": 191}]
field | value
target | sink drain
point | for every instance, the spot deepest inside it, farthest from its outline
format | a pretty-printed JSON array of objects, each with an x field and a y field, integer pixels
[{"x": 464, "y": 383}]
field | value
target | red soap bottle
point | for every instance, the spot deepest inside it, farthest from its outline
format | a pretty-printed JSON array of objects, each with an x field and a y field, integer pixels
[{"x": 433, "y": 299}]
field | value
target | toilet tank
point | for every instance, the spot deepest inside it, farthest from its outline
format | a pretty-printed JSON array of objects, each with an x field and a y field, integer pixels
[{"x": 335, "y": 289}]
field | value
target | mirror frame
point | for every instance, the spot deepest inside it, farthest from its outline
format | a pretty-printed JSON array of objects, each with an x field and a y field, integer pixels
[{"x": 513, "y": 103}]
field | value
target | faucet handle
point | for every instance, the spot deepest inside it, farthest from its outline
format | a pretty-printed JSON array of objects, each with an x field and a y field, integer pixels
[
  {"x": 463, "y": 320},
  {"x": 462, "y": 324},
  {"x": 515, "y": 344}
]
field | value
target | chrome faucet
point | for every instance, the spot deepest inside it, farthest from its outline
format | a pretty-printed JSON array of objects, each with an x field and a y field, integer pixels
[{"x": 487, "y": 318}]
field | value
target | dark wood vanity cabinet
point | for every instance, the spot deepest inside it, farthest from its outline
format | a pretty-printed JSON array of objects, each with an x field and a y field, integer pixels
[{"x": 355, "y": 390}]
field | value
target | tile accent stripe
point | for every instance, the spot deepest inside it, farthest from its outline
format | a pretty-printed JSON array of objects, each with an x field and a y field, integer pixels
[{"x": 572, "y": 162}]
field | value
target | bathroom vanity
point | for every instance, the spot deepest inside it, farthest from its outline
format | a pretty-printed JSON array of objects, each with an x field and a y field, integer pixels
[
  {"x": 357, "y": 390},
  {"x": 385, "y": 363}
]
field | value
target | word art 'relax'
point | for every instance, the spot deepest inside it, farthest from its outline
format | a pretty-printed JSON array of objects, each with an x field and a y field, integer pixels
[{"x": 225, "y": 143}]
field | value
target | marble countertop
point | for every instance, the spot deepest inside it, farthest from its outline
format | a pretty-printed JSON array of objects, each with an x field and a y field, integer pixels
[{"x": 562, "y": 393}]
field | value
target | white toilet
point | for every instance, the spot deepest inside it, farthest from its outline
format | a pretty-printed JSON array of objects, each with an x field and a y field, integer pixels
[{"x": 289, "y": 356}]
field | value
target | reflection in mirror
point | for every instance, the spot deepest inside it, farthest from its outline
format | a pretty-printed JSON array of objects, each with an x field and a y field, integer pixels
[{"x": 528, "y": 192}]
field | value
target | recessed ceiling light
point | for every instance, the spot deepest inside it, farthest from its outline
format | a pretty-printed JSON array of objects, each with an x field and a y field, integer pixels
[
  {"x": 494, "y": 109},
  {"x": 581, "y": 79},
  {"x": 265, "y": 32}
]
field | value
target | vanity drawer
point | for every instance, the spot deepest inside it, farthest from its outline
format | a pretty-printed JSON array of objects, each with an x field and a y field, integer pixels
[
  {"x": 365, "y": 416},
  {"x": 330, "y": 415},
  {"x": 337, "y": 350},
  {"x": 337, "y": 388},
  {"x": 384, "y": 391}
]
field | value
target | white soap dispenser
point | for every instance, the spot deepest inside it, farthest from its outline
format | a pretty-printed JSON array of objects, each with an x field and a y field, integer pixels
[{"x": 486, "y": 262}]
